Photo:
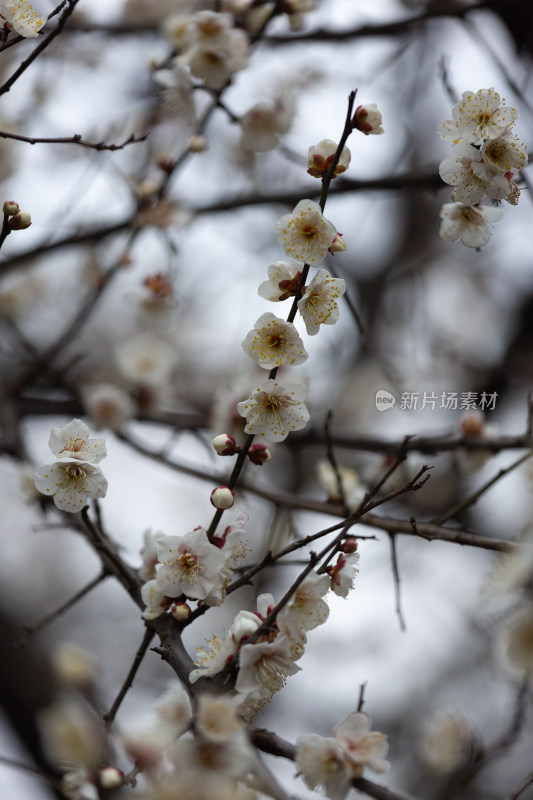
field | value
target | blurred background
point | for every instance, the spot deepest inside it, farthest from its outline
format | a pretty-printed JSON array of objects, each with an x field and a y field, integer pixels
[{"x": 121, "y": 283}]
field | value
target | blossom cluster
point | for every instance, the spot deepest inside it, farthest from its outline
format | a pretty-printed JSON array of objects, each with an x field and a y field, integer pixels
[
  {"x": 74, "y": 476},
  {"x": 189, "y": 566},
  {"x": 486, "y": 158},
  {"x": 265, "y": 664}
]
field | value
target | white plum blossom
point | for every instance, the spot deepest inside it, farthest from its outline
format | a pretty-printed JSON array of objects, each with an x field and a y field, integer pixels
[
  {"x": 517, "y": 636},
  {"x": 21, "y": 17},
  {"x": 155, "y": 600},
  {"x": 318, "y": 306},
  {"x": 352, "y": 490},
  {"x": 264, "y": 667},
  {"x": 368, "y": 119},
  {"x": 505, "y": 153},
  {"x": 149, "y": 555},
  {"x": 362, "y": 747},
  {"x": 265, "y": 122},
  {"x": 282, "y": 283},
  {"x": 476, "y": 117},
  {"x": 332, "y": 763},
  {"x": 320, "y": 159},
  {"x": 468, "y": 223},
  {"x": 216, "y": 718},
  {"x": 233, "y": 548},
  {"x": 306, "y": 234},
  {"x": 215, "y": 50},
  {"x": 71, "y": 482},
  {"x": 176, "y": 91},
  {"x": 189, "y": 565},
  {"x": 146, "y": 359},
  {"x": 173, "y": 709},
  {"x": 74, "y": 477},
  {"x": 217, "y": 653},
  {"x": 107, "y": 405},
  {"x": 72, "y": 441},
  {"x": 305, "y": 610},
  {"x": 465, "y": 170},
  {"x": 447, "y": 741},
  {"x": 274, "y": 410},
  {"x": 342, "y": 574},
  {"x": 321, "y": 763},
  {"x": 274, "y": 342}
]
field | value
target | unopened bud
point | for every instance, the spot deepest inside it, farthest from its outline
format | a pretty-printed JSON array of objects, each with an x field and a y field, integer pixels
[
  {"x": 259, "y": 454},
  {"x": 20, "y": 221},
  {"x": 110, "y": 778},
  {"x": 368, "y": 119},
  {"x": 222, "y": 498},
  {"x": 10, "y": 207},
  {"x": 338, "y": 245},
  {"x": 197, "y": 144},
  {"x": 349, "y": 545},
  {"x": 225, "y": 444},
  {"x": 165, "y": 162},
  {"x": 180, "y": 611},
  {"x": 472, "y": 424}
]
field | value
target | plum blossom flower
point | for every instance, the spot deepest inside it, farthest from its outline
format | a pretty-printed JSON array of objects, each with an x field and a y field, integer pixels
[
  {"x": 306, "y": 234},
  {"x": 215, "y": 49},
  {"x": 21, "y": 17},
  {"x": 368, "y": 119},
  {"x": 107, "y": 405},
  {"x": 264, "y": 667},
  {"x": 274, "y": 342},
  {"x": 476, "y": 117},
  {"x": 342, "y": 574},
  {"x": 189, "y": 565},
  {"x": 318, "y": 305},
  {"x": 517, "y": 636},
  {"x": 321, "y": 763},
  {"x": 71, "y": 482},
  {"x": 274, "y": 410},
  {"x": 505, "y": 153},
  {"x": 352, "y": 490},
  {"x": 465, "y": 170},
  {"x": 233, "y": 547},
  {"x": 265, "y": 122},
  {"x": 74, "y": 477},
  {"x": 468, "y": 223},
  {"x": 447, "y": 742},
  {"x": 282, "y": 283},
  {"x": 320, "y": 159},
  {"x": 305, "y": 610},
  {"x": 217, "y": 653},
  {"x": 362, "y": 747},
  {"x": 155, "y": 600},
  {"x": 72, "y": 441},
  {"x": 146, "y": 359},
  {"x": 333, "y": 763}
]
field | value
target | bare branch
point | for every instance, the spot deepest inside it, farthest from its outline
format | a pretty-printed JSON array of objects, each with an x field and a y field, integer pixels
[{"x": 75, "y": 139}]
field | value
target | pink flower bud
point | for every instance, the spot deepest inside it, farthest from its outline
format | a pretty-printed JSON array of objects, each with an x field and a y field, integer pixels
[
  {"x": 472, "y": 423},
  {"x": 349, "y": 545},
  {"x": 20, "y": 221},
  {"x": 225, "y": 444},
  {"x": 222, "y": 498},
  {"x": 180, "y": 611},
  {"x": 10, "y": 207},
  {"x": 338, "y": 245},
  {"x": 110, "y": 778},
  {"x": 368, "y": 119},
  {"x": 259, "y": 454}
]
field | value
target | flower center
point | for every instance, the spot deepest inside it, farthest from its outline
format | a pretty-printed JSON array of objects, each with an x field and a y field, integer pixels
[
  {"x": 74, "y": 473},
  {"x": 276, "y": 340},
  {"x": 188, "y": 567},
  {"x": 74, "y": 445}
]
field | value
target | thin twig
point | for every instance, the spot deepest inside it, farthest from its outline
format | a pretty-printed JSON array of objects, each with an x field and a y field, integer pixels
[
  {"x": 474, "y": 497},
  {"x": 528, "y": 780},
  {"x": 396, "y": 576},
  {"x": 75, "y": 139},
  {"x": 100, "y": 578},
  {"x": 130, "y": 677}
]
